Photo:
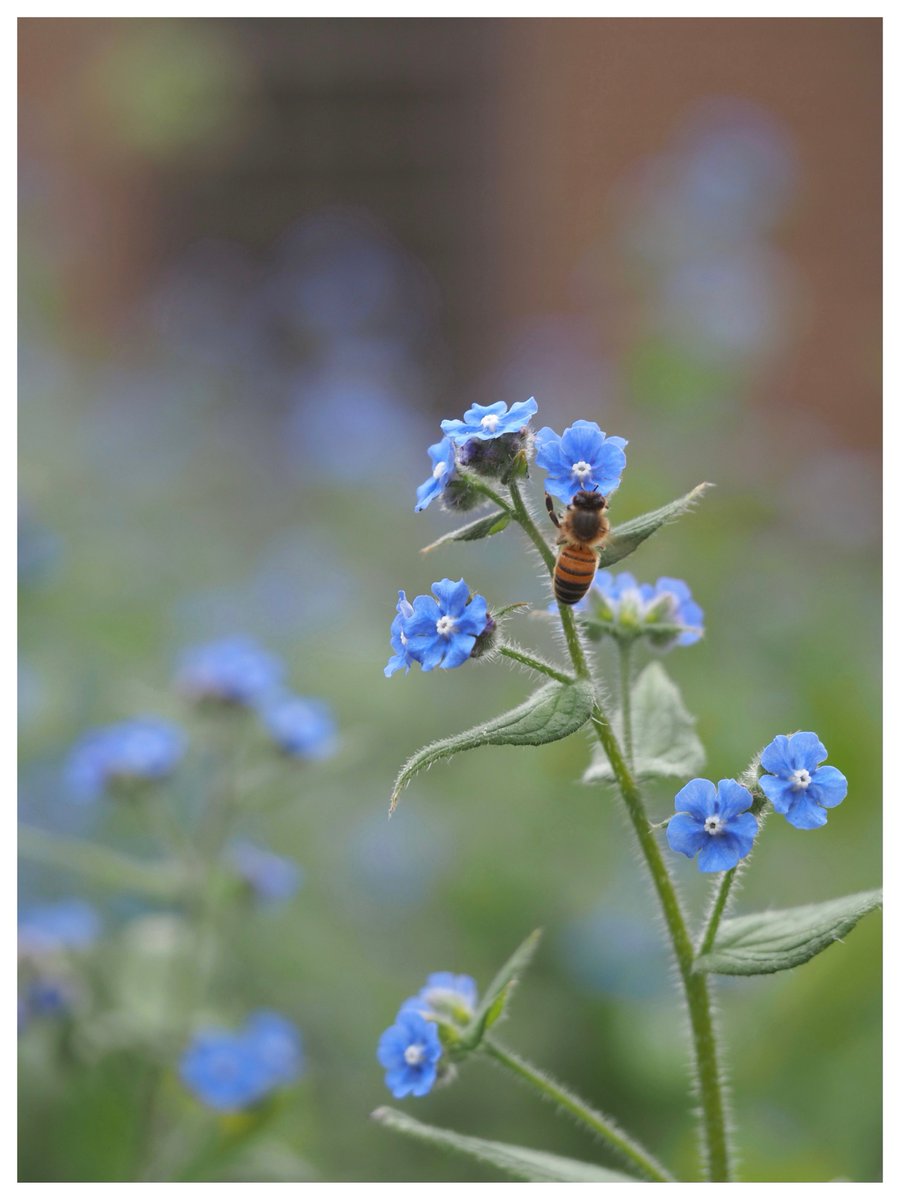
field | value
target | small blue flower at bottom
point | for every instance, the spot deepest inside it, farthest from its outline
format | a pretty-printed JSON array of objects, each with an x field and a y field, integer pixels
[
  {"x": 409, "y": 1051},
  {"x": 797, "y": 786},
  {"x": 446, "y": 994},
  {"x": 713, "y": 824},
  {"x": 442, "y": 631},
  {"x": 443, "y": 462}
]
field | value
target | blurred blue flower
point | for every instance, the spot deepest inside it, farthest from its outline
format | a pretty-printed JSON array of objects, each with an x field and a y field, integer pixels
[
  {"x": 142, "y": 749},
  {"x": 233, "y": 670},
  {"x": 642, "y": 607},
  {"x": 583, "y": 459},
  {"x": 271, "y": 877},
  {"x": 797, "y": 786},
  {"x": 231, "y": 1070},
  {"x": 301, "y": 727},
  {"x": 490, "y": 421},
  {"x": 714, "y": 823},
  {"x": 446, "y": 994},
  {"x": 54, "y": 927},
  {"x": 442, "y": 632},
  {"x": 48, "y": 996},
  {"x": 409, "y": 1051},
  {"x": 38, "y": 548},
  {"x": 443, "y": 460},
  {"x": 402, "y": 659}
]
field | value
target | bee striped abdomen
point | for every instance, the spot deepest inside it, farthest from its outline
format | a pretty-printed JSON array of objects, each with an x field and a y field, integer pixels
[{"x": 574, "y": 574}]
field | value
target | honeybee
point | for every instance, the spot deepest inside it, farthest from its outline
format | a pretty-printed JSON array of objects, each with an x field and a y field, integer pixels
[{"x": 583, "y": 527}]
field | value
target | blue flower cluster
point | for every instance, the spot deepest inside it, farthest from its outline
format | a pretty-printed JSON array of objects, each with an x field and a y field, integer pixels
[
  {"x": 410, "y": 1049},
  {"x": 237, "y": 671},
  {"x": 716, "y": 826},
  {"x": 482, "y": 423},
  {"x": 231, "y": 1070},
  {"x": 143, "y": 749},
  {"x": 437, "y": 632},
  {"x": 797, "y": 785},
  {"x": 271, "y": 878},
  {"x": 666, "y": 612}
]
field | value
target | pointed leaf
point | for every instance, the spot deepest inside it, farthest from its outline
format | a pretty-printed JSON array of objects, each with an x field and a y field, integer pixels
[
  {"x": 550, "y": 714},
  {"x": 665, "y": 743},
  {"x": 498, "y": 992},
  {"x": 522, "y": 1162},
  {"x": 776, "y": 941},
  {"x": 484, "y": 527},
  {"x": 626, "y": 538}
]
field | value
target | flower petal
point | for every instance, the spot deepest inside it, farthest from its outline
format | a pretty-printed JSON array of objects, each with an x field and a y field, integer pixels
[
  {"x": 806, "y": 751},
  {"x": 721, "y": 853},
  {"x": 804, "y": 813},
  {"x": 743, "y": 828},
  {"x": 828, "y": 786},
  {"x": 780, "y": 792},
  {"x": 474, "y": 617},
  {"x": 698, "y": 798},
  {"x": 733, "y": 799},
  {"x": 433, "y": 653},
  {"x": 686, "y": 834},
  {"x": 775, "y": 758},
  {"x": 452, "y": 595},
  {"x": 458, "y": 650},
  {"x": 608, "y": 465},
  {"x": 582, "y": 442}
]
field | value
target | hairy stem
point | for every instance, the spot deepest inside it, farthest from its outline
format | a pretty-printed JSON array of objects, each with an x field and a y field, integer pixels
[
  {"x": 696, "y": 986},
  {"x": 596, "y": 1122},
  {"x": 716, "y": 913},
  {"x": 528, "y": 659}
]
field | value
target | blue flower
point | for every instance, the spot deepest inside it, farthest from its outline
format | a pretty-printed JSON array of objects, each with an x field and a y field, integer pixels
[
  {"x": 232, "y": 1070},
  {"x": 715, "y": 823},
  {"x": 51, "y": 928},
  {"x": 48, "y": 996},
  {"x": 232, "y": 671},
  {"x": 445, "y": 994},
  {"x": 402, "y": 659},
  {"x": 142, "y": 749},
  {"x": 797, "y": 786},
  {"x": 680, "y": 609},
  {"x": 490, "y": 421},
  {"x": 583, "y": 459},
  {"x": 270, "y": 877},
  {"x": 638, "y": 607},
  {"x": 409, "y": 1051},
  {"x": 442, "y": 632},
  {"x": 443, "y": 462},
  {"x": 301, "y": 727}
]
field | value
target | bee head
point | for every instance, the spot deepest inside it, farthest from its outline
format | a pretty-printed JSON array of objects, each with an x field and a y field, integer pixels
[{"x": 589, "y": 501}]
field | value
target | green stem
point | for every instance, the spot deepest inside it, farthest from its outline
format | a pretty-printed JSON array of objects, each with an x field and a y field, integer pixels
[
  {"x": 101, "y": 864},
  {"x": 527, "y": 659},
  {"x": 696, "y": 987},
  {"x": 596, "y": 1122},
  {"x": 625, "y": 697},
  {"x": 478, "y": 485},
  {"x": 716, "y": 912}
]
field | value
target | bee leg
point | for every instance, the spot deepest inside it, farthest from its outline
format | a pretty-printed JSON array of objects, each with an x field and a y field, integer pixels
[{"x": 548, "y": 500}]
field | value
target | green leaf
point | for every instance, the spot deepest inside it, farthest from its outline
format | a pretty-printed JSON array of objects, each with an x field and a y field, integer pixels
[
  {"x": 665, "y": 743},
  {"x": 626, "y": 538},
  {"x": 776, "y": 941},
  {"x": 550, "y": 714},
  {"x": 496, "y": 997},
  {"x": 484, "y": 527},
  {"x": 534, "y": 1166}
]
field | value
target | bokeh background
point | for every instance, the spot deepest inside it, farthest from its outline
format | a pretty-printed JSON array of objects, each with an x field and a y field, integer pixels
[{"x": 260, "y": 260}]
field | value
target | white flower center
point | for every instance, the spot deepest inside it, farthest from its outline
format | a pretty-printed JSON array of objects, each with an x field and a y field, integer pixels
[
  {"x": 440, "y": 470},
  {"x": 403, "y": 638},
  {"x": 801, "y": 779},
  {"x": 490, "y": 422},
  {"x": 414, "y": 1055},
  {"x": 714, "y": 825},
  {"x": 445, "y": 626},
  {"x": 581, "y": 470}
]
